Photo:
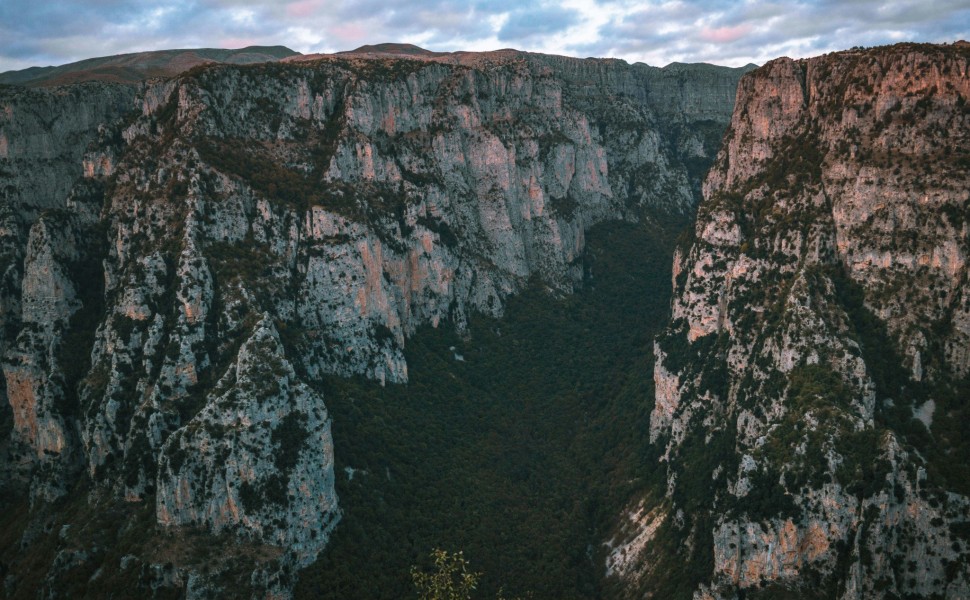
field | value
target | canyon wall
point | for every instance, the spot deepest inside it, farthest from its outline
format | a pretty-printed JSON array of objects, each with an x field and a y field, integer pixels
[{"x": 811, "y": 385}]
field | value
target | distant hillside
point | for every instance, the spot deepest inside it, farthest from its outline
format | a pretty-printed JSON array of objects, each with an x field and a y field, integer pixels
[
  {"x": 130, "y": 68},
  {"x": 392, "y": 48}
]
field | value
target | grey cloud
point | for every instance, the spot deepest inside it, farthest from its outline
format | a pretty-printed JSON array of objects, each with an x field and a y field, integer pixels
[
  {"x": 446, "y": 22},
  {"x": 533, "y": 22},
  {"x": 401, "y": 17},
  {"x": 49, "y": 19},
  {"x": 737, "y": 33},
  {"x": 651, "y": 17},
  {"x": 647, "y": 42},
  {"x": 55, "y": 33}
]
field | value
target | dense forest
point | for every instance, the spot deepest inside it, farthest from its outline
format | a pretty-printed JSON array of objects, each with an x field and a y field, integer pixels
[{"x": 516, "y": 441}]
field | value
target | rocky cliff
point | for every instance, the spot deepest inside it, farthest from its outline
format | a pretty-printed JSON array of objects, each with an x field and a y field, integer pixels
[
  {"x": 186, "y": 260},
  {"x": 812, "y": 386}
]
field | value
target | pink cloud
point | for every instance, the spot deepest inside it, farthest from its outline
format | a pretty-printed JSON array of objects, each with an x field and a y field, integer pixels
[
  {"x": 725, "y": 35},
  {"x": 349, "y": 32},
  {"x": 234, "y": 42},
  {"x": 303, "y": 8}
]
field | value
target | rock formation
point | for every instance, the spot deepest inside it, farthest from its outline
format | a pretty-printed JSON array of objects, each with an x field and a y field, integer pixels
[{"x": 807, "y": 386}]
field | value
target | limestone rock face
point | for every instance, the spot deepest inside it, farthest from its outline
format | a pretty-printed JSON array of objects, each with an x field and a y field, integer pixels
[
  {"x": 44, "y": 138},
  {"x": 184, "y": 262},
  {"x": 819, "y": 308},
  {"x": 258, "y": 458},
  {"x": 34, "y": 382},
  {"x": 41, "y": 364}
]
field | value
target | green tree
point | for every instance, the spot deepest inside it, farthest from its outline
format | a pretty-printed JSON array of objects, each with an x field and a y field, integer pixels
[{"x": 451, "y": 578}]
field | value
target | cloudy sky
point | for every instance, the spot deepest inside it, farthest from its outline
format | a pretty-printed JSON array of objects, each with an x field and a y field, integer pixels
[{"x": 51, "y": 32}]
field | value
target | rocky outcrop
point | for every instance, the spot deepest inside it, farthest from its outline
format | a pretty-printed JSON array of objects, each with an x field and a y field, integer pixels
[
  {"x": 258, "y": 458},
  {"x": 30, "y": 368},
  {"x": 40, "y": 366},
  {"x": 249, "y": 231},
  {"x": 818, "y": 308}
]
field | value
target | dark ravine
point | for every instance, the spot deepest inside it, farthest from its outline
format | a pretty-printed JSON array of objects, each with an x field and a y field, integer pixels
[
  {"x": 522, "y": 452},
  {"x": 190, "y": 264},
  {"x": 811, "y": 390}
]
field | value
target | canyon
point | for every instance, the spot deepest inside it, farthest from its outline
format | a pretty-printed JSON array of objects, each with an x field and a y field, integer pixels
[{"x": 194, "y": 267}]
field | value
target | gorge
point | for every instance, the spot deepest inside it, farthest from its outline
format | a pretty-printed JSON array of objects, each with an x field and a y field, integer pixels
[{"x": 280, "y": 328}]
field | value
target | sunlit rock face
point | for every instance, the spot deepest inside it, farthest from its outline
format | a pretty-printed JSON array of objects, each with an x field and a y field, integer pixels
[
  {"x": 184, "y": 261},
  {"x": 820, "y": 306}
]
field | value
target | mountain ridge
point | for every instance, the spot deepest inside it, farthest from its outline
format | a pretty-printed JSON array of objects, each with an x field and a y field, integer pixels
[
  {"x": 138, "y": 66},
  {"x": 132, "y": 68}
]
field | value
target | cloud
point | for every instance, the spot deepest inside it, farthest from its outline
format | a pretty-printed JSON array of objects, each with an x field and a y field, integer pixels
[
  {"x": 725, "y": 35},
  {"x": 653, "y": 31},
  {"x": 736, "y": 33},
  {"x": 529, "y": 23}
]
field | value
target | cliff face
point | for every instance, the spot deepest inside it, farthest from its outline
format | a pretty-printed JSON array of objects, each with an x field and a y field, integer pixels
[
  {"x": 809, "y": 384},
  {"x": 189, "y": 259}
]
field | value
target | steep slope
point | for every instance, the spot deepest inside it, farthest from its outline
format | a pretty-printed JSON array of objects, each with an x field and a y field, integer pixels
[
  {"x": 139, "y": 66},
  {"x": 235, "y": 237},
  {"x": 45, "y": 138},
  {"x": 811, "y": 391}
]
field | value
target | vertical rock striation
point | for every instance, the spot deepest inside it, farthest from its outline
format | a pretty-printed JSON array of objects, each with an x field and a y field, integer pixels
[{"x": 818, "y": 310}]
